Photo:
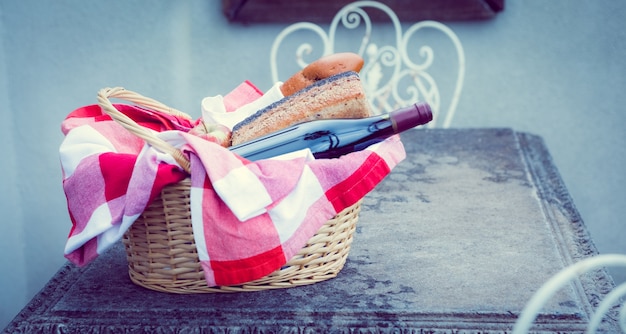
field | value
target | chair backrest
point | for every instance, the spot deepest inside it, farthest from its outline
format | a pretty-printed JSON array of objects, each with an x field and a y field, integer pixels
[
  {"x": 390, "y": 76},
  {"x": 612, "y": 305}
]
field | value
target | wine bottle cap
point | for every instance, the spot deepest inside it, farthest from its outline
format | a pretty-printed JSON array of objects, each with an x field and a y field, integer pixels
[{"x": 410, "y": 117}]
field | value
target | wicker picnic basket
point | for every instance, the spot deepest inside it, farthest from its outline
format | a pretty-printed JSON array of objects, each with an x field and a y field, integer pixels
[{"x": 160, "y": 246}]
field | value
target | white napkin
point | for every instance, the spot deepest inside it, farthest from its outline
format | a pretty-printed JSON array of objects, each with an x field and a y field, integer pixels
[{"x": 213, "y": 109}]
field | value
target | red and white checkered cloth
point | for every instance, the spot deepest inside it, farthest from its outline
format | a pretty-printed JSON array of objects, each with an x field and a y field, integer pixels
[{"x": 249, "y": 218}]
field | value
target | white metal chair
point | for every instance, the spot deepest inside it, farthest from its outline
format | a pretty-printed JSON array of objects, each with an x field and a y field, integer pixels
[
  {"x": 565, "y": 276},
  {"x": 390, "y": 76}
]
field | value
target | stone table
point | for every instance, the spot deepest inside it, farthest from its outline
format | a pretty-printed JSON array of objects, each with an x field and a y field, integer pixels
[{"x": 455, "y": 240}]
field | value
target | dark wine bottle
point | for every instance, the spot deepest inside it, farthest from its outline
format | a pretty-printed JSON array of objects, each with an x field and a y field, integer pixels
[{"x": 332, "y": 138}]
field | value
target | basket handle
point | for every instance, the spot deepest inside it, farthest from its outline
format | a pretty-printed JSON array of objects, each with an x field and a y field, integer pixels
[{"x": 118, "y": 92}]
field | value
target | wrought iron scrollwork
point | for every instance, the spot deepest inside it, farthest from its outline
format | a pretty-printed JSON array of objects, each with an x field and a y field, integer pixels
[{"x": 391, "y": 75}]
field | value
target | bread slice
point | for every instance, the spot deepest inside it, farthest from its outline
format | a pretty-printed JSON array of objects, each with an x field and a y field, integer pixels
[
  {"x": 320, "y": 69},
  {"x": 338, "y": 96}
]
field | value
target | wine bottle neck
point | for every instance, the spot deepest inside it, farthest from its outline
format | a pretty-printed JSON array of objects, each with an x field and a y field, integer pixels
[{"x": 410, "y": 117}]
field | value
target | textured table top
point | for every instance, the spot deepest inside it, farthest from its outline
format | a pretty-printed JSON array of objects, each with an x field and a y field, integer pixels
[{"x": 456, "y": 239}]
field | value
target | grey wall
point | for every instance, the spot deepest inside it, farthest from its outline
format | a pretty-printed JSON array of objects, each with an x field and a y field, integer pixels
[{"x": 552, "y": 68}]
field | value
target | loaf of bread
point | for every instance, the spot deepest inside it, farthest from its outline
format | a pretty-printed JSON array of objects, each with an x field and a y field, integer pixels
[
  {"x": 338, "y": 96},
  {"x": 320, "y": 69}
]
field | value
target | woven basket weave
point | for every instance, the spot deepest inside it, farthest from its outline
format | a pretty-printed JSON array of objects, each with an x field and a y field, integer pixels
[{"x": 160, "y": 246}]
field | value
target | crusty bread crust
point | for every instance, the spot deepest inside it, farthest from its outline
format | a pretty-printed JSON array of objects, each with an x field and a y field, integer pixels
[
  {"x": 320, "y": 69},
  {"x": 339, "y": 96}
]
